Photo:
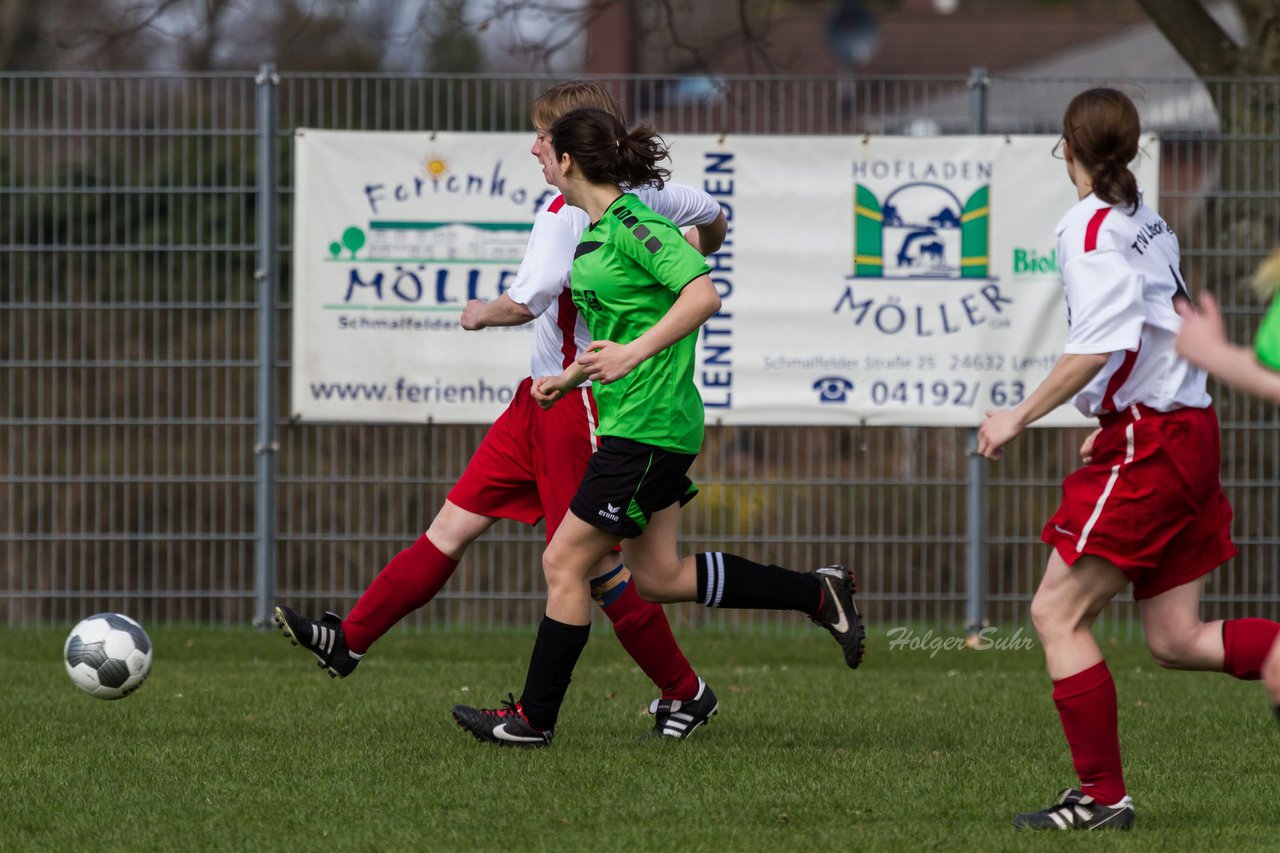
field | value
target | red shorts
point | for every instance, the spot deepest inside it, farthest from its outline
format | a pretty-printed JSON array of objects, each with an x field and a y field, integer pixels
[
  {"x": 1150, "y": 501},
  {"x": 531, "y": 461}
]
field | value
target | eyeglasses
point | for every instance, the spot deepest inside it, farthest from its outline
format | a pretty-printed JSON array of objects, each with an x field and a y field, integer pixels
[{"x": 1057, "y": 148}]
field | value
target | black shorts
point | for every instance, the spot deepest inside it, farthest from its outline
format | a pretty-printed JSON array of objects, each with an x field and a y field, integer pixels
[{"x": 627, "y": 482}]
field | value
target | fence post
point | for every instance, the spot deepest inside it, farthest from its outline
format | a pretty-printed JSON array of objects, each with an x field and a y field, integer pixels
[
  {"x": 265, "y": 275},
  {"x": 976, "y": 527}
]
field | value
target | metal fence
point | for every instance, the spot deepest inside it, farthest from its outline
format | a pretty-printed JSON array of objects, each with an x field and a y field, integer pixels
[{"x": 145, "y": 466}]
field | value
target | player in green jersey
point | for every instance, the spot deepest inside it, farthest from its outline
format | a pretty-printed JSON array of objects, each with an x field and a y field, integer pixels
[
  {"x": 1254, "y": 370},
  {"x": 644, "y": 292}
]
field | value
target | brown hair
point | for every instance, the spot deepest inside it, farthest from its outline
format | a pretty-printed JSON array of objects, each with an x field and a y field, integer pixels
[
  {"x": 607, "y": 152},
  {"x": 575, "y": 94},
  {"x": 1101, "y": 127}
]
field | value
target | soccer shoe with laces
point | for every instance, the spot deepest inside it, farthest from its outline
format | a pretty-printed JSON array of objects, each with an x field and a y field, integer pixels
[
  {"x": 838, "y": 614},
  {"x": 1078, "y": 811},
  {"x": 677, "y": 718},
  {"x": 324, "y": 639},
  {"x": 506, "y": 725}
]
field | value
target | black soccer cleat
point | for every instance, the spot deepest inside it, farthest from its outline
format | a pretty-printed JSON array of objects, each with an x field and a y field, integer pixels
[
  {"x": 838, "y": 614},
  {"x": 1078, "y": 811},
  {"x": 677, "y": 718},
  {"x": 324, "y": 639},
  {"x": 506, "y": 725}
]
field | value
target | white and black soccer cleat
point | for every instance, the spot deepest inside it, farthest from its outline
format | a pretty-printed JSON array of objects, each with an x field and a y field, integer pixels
[
  {"x": 678, "y": 718},
  {"x": 838, "y": 614},
  {"x": 1076, "y": 810},
  {"x": 324, "y": 639},
  {"x": 507, "y": 725}
]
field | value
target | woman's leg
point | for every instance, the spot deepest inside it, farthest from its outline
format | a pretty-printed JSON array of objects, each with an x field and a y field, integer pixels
[
  {"x": 1271, "y": 675},
  {"x": 717, "y": 579},
  {"x": 414, "y": 576},
  {"x": 569, "y": 559},
  {"x": 1179, "y": 640},
  {"x": 1066, "y": 603},
  {"x": 1175, "y": 635}
]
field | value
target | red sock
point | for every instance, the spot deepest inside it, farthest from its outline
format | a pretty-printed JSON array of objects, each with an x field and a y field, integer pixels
[
  {"x": 1247, "y": 642},
  {"x": 410, "y": 580},
  {"x": 1087, "y": 705},
  {"x": 645, "y": 633}
]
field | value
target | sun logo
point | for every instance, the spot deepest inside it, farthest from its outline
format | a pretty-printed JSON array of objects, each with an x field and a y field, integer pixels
[{"x": 435, "y": 168}]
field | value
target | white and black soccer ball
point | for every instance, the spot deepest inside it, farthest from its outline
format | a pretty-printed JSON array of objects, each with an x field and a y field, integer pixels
[{"x": 108, "y": 655}]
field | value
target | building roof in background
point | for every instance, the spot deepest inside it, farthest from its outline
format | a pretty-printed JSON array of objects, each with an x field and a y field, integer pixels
[
  {"x": 915, "y": 40},
  {"x": 1138, "y": 60}
]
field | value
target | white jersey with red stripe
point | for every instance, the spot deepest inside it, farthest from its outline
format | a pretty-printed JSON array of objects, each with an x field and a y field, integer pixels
[
  {"x": 542, "y": 283},
  {"x": 1120, "y": 274}
]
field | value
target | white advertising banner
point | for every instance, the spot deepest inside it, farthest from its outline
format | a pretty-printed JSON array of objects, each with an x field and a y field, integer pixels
[{"x": 878, "y": 280}]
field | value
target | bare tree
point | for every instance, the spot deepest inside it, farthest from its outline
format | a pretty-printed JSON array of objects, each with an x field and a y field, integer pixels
[{"x": 1247, "y": 211}]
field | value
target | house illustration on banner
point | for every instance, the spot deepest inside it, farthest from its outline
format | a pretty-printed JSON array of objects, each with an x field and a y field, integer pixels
[
  {"x": 451, "y": 242},
  {"x": 921, "y": 230}
]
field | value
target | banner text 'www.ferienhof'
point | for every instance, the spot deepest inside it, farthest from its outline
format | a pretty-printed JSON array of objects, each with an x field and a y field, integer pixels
[{"x": 879, "y": 280}]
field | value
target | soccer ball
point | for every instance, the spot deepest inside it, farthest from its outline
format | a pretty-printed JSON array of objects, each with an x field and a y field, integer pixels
[{"x": 108, "y": 655}]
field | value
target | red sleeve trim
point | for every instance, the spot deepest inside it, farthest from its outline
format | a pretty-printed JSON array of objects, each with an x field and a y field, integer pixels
[
  {"x": 556, "y": 204},
  {"x": 1095, "y": 225}
]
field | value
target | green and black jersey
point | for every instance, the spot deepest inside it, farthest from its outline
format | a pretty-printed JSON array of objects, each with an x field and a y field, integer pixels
[{"x": 628, "y": 270}]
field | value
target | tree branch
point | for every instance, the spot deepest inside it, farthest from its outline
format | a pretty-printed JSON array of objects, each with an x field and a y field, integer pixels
[{"x": 1195, "y": 35}]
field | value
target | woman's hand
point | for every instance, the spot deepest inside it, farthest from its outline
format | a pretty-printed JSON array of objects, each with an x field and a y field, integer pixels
[
  {"x": 1086, "y": 449},
  {"x": 1202, "y": 336},
  {"x": 606, "y": 361},
  {"x": 546, "y": 390},
  {"x": 1000, "y": 427}
]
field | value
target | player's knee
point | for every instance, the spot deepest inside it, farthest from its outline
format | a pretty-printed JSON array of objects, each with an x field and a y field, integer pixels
[
  {"x": 1046, "y": 616},
  {"x": 452, "y": 532},
  {"x": 1170, "y": 651},
  {"x": 559, "y": 568},
  {"x": 651, "y": 589}
]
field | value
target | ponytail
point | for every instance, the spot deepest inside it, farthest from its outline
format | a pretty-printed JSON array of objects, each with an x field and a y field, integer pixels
[
  {"x": 607, "y": 152},
  {"x": 1101, "y": 126},
  {"x": 1116, "y": 184},
  {"x": 639, "y": 151}
]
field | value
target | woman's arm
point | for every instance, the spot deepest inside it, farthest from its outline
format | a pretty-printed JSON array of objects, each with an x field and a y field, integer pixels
[
  {"x": 1203, "y": 342},
  {"x": 1071, "y": 374},
  {"x": 547, "y": 389},
  {"x": 607, "y": 361},
  {"x": 503, "y": 311},
  {"x": 710, "y": 237}
]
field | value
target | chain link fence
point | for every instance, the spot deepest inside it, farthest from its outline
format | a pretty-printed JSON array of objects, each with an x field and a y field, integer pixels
[{"x": 132, "y": 459}]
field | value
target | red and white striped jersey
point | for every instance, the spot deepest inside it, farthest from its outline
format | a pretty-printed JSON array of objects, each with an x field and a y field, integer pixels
[
  {"x": 1120, "y": 273},
  {"x": 542, "y": 282}
]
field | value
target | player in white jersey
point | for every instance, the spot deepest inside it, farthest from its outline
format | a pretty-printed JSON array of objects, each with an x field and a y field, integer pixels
[
  {"x": 530, "y": 462},
  {"x": 1146, "y": 508},
  {"x": 1253, "y": 369}
]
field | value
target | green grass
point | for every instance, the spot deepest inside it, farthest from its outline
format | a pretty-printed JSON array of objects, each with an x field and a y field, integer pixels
[{"x": 238, "y": 741}]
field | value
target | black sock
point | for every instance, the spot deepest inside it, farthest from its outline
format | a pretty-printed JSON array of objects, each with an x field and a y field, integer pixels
[
  {"x": 1278, "y": 713},
  {"x": 555, "y": 653},
  {"x": 727, "y": 580}
]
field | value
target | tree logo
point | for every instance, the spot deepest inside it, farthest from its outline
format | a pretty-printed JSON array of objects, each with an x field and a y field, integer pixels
[{"x": 352, "y": 240}]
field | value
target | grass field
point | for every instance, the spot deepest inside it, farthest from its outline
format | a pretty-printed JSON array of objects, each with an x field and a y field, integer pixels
[{"x": 237, "y": 741}]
